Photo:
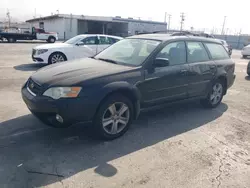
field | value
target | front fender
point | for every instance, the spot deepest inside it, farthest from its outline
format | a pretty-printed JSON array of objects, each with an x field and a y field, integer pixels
[
  {"x": 129, "y": 90},
  {"x": 122, "y": 85}
]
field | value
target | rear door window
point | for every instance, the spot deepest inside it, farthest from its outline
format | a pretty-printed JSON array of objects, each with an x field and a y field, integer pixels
[
  {"x": 104, "y": 40},
  {"x": 196, "y": 52},
  {"x": 112, "y": 40},
  {"x": 217, "y": 51}
]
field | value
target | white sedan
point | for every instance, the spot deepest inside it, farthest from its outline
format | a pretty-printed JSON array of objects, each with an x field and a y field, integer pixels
[
  {"x": 79, "y": 46},
  {"x": 245, "y": 51}
]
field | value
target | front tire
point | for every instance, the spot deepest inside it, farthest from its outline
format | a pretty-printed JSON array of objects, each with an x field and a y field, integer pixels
[
  {"x": 215, "y": 95},
  {"x": 114, "y": 117},
  {"x": 56, "y": 57}
]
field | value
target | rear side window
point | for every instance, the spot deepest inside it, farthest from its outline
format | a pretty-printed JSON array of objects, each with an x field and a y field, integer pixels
[
  {"x": 196, "y": 52},
  {"x": 217, "y": 51}
]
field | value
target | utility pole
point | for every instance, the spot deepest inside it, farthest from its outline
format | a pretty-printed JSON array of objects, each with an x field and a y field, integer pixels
[
  {"x": 35, "y": 13},
  {"x": 238, "y": 44},
  {"x": 8, "y": 16},
  {"x": 165, "y": 17},
  {"x": 223, "y": 26},
  {"x": 169, "y": 19},
  {"x": 182, "y": 20}
]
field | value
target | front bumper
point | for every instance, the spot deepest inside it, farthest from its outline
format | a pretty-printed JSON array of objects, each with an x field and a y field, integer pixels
[
  {"x": 41, "y": 58},
  {"x": 71, "y": 110}
]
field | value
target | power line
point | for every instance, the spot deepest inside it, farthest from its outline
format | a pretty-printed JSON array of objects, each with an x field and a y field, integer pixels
[{"x": 182, "y": 20}]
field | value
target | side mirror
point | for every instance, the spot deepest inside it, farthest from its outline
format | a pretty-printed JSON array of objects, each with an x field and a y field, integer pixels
[
  {"x": 80, "y": 44},
  {"x": 161, "y": 62}
]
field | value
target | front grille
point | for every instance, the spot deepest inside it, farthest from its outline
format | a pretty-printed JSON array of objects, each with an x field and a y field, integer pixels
[
  {"x": 34, "y": 87},
  {"x": 33, "y": 51}
]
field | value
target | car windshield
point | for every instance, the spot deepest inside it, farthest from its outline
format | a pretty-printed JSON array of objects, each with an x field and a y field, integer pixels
[
  {"x": 73, "y": 40},
  {"x": 131, "y": 52}
]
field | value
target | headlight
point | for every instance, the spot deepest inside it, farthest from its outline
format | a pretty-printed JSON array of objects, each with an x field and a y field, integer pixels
[
  {"x": 62, "y": 92},
  {"x": 41, "y": 51}
]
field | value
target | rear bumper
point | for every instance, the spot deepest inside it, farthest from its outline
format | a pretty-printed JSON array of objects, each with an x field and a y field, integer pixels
[
  {"x": 244, "y": 52},
  {"x": 230, "y": 81},
  {"x": 248, "y": 67}
]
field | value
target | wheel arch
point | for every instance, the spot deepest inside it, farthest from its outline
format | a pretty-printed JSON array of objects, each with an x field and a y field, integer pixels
[
  {"x": 55, "y": 53},
  {"x": 125, "y": 89},
  {"x": 223, "y": 79}
]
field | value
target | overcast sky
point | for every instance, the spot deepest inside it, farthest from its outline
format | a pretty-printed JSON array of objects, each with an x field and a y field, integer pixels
[{"x": 199, "y": 14}]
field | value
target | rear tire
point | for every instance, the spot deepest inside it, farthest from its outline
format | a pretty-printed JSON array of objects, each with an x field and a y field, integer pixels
[
  {"x": 11, "y": 40},
  {"x": 51, "y": 40},
  {"x": 215, "y": 95},
  {"x": 56, "y": 57},
  {"x": 113, "y": 117}
]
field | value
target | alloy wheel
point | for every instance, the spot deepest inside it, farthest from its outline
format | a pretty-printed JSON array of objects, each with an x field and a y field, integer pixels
[
  {"x": 57, "y": 58},
  {"x": 115, "y": 118},
  {"x": 217, "y": 92}
]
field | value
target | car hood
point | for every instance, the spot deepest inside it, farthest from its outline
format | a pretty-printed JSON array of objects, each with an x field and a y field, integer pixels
[
  {"x": 55, "y": 45},
  {"x": 77, "y": 71}
]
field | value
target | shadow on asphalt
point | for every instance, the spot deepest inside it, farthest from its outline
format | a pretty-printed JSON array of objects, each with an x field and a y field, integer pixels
[
  {"x": 45, "y": 155},
  {"x": 29, "y": 67}
]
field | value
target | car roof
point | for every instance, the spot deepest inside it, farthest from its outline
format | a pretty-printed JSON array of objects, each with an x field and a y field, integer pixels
[{"x": 167, "y": 37}]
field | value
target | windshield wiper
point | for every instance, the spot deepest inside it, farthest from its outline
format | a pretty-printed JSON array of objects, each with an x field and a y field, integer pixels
[{"x": 108, "y": 60}]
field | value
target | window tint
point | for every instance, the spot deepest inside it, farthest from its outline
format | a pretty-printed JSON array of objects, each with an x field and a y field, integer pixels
[
  {"x": 196, "y": 52},
  {"x": 89, "y": 41},
  {"x": 175, "y": 52},
  {"x": 103, "y": 40},
  {"x": 217, "y": 51}
]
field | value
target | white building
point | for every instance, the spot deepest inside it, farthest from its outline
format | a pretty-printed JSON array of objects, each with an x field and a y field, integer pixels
[{"x": 68, "y": 26}]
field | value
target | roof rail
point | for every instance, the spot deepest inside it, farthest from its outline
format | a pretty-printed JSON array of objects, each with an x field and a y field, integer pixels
[
  {"x": 164, "y": 31},
  {"x": 180, "y": 33},
  {"x": 188, "y": 33}
]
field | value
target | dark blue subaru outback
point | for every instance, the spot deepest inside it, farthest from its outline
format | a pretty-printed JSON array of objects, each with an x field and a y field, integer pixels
[{"x": 138, "y": 72}]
